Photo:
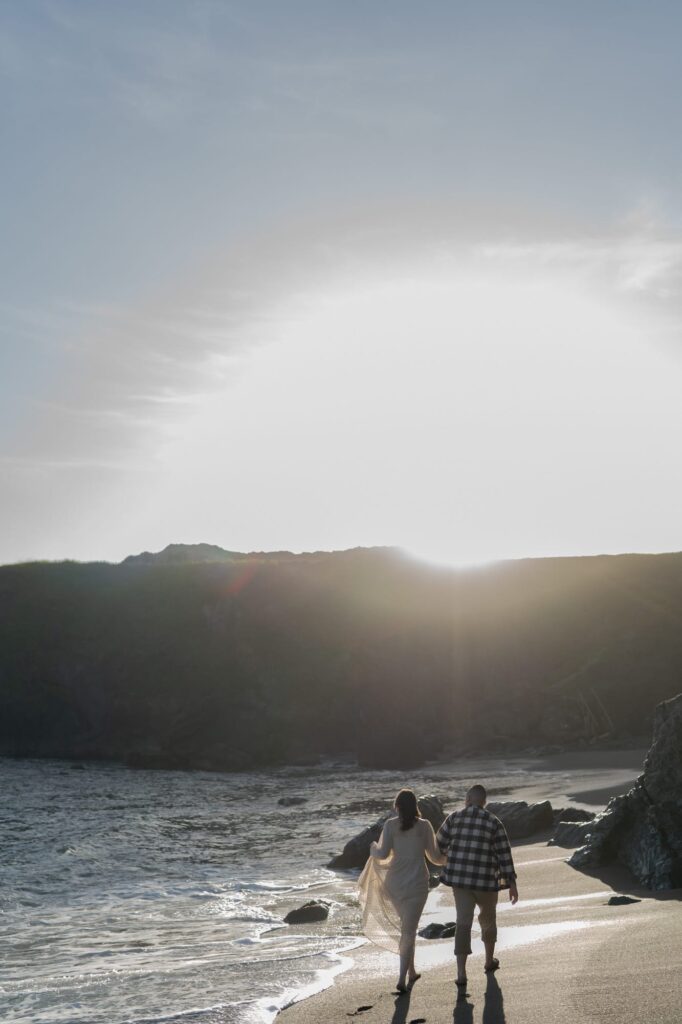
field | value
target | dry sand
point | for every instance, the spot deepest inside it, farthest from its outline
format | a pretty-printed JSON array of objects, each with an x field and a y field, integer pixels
[{"x": 566, "y": 956}]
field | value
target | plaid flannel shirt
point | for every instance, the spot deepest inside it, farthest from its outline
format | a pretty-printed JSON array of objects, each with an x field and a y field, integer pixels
[{"x": 479, "y": 854}]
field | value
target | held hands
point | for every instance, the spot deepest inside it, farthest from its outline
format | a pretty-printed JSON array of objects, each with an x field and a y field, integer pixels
[{"x": 513, "y": 893}]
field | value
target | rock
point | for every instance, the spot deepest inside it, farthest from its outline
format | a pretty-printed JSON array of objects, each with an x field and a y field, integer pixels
[
  {"x": 643, "y": 828},
  {"x": 573, "y": 814},
  {"x": 620, "y": 901},
  {"x": 314, "y": 910},
  {"x": 570, "y": 834},
  {"x": 292, "y": 801},
  {"x": 431, "y": 808},
  {"x": 571, "y": 827},
  {"x": 438, "y": 931},
  {"x": 356, "y": 850},
  {"x": 521, "y": 819}
]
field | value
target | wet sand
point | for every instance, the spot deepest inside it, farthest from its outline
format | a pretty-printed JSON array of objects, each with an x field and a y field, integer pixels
[
  {"x": 584, "y": 778},
  {"x": 566, "y": 956}
]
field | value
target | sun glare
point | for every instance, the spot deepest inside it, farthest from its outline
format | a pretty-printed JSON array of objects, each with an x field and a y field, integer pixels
[{"x": 461, "y": 416}]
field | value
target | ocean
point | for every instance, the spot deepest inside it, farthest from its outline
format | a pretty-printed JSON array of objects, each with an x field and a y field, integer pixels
[{"x": 151, "y": 896}]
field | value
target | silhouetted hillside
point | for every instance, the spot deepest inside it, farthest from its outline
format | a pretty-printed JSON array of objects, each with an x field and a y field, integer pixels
[{"x": 203, "y": 657}]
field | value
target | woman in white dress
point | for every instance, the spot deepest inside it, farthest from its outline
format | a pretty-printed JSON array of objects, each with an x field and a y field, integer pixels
[{"x": 395, "y": 883}]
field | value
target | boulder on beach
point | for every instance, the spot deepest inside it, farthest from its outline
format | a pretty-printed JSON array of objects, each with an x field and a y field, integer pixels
[
  {"x": 314, "y": 910},
  {"x": 569, "y": 834},
  {"x": 643, "y": 828},
  {"x": 573, "y": 814},
  {"x": 570, "y": 827},
  {"x": 356, "y": 850},
  {"x": 521, "y": 819},
  {"x": 435, "y": 930}
]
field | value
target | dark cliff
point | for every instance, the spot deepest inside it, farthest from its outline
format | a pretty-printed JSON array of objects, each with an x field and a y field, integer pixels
[
  {"x": 643, "y": 828},
  {"x": 200, "y": 657}
]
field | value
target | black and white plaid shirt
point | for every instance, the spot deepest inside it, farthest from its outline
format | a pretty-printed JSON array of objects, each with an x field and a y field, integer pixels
[{"x": 479, "y": 855}]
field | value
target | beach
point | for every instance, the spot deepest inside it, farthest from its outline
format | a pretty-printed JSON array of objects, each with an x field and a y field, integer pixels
[
  {"x": 566, "y": 955},
  {"x": 140, "y": 896}
]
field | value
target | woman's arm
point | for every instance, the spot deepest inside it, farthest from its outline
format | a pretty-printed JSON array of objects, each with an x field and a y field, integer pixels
[
  {"x": 382, "y": 849},
  {"x": 431, "y": 846}
]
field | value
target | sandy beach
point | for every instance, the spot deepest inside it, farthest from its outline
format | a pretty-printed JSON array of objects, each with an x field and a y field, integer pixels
[{"x": 565, "y": 954}]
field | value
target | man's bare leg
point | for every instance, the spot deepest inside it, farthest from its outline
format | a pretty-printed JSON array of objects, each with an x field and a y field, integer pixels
[{"x": 462, "y": 966}]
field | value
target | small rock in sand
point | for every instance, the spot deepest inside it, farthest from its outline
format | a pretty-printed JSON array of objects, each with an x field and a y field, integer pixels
[
  {"x": 436, "y": 930},
  {"x": 619, "y": 901}
]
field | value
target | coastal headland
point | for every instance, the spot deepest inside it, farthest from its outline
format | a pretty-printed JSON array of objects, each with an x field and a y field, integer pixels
[{"x": 200, "y": 658}]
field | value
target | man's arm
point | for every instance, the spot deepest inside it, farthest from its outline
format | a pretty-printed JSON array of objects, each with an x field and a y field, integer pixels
[{"x": 506, "y": 861}]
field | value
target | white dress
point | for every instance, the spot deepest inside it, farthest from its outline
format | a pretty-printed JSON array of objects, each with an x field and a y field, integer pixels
[{"x": 395, "y": 883}]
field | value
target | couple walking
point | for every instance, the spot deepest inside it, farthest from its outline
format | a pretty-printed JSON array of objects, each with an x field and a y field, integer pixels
[{"x": 473, "y": 850}]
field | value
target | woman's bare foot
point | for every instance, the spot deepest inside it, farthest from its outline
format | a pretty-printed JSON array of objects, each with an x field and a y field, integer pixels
[{"x": 412, "y": 978}]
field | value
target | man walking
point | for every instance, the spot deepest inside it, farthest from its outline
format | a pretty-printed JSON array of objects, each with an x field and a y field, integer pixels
[{"x": 479, "y": 865}]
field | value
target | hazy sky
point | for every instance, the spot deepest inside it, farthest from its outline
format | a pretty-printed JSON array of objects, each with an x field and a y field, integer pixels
[{"x": 313, "y": 275}]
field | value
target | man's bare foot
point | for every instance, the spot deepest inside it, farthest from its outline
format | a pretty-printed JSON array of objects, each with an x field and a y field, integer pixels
[
  {"x": 412, "y": 978},
  {"x": 492, "y": 966}
]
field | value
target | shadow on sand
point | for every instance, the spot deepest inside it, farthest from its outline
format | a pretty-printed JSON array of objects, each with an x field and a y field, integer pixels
[
  {"x": 618, "y": 878},
  {"x": 493, "y": 1006},
  {"x": 402, "y": 1006}
]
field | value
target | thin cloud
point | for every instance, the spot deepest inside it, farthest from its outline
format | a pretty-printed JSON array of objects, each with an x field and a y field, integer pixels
[{"x": 135, "y": 374}]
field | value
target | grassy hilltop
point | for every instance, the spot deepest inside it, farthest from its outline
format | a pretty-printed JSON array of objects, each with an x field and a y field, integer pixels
[{"x": 202, "y": 657}]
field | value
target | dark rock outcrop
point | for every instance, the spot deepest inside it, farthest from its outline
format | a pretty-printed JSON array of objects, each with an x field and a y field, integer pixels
[
  {"x": 521, "y": 819},
  {"x": 573, "y": 814},
  {"x": 570, "y": 826},
  {"x": 356, "y": 850},
  {"x": 569, "y": 834},
  {"x": 314, "y": 910},
  {"x": 643, "y": 828}
]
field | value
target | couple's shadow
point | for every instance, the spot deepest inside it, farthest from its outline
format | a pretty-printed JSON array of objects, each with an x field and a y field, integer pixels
[{"x": 493, "y": 1006}]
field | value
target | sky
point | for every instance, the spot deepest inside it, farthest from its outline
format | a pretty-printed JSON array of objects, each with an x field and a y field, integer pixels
[{"x": 310, "y": 275}]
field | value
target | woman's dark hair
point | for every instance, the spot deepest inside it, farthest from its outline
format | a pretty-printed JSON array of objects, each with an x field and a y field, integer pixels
[{"x": 406, "y": 806}]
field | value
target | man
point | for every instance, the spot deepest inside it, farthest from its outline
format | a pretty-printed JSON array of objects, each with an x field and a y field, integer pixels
[{"x": 479, "y": 865}]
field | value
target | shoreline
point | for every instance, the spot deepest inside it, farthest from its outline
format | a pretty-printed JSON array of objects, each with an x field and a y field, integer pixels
[{"x": 559, "y": 906}]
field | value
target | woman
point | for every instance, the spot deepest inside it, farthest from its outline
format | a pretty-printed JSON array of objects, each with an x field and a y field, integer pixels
[{"x": 395, "y": 883}]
